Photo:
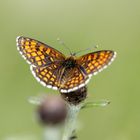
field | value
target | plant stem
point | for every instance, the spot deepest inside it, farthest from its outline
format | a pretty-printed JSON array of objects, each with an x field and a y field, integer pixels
[
  {"x": 52, "y": 133},
  {"x": 70, "y": 124}
]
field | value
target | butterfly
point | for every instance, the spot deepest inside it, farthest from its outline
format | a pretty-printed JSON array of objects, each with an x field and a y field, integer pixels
[{"x": 54, "y": 70}]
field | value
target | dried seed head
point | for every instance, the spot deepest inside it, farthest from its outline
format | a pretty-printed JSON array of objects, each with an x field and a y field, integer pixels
[{"x": 75, "y": 97}]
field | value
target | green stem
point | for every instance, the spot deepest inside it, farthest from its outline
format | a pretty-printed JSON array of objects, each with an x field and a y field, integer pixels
[
  {"x": 70, "y": 124},
  {"x": 52, "y": 133}
]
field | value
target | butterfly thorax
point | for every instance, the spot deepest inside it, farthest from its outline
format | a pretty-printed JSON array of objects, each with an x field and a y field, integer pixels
[{"x": 69, "y": 63}]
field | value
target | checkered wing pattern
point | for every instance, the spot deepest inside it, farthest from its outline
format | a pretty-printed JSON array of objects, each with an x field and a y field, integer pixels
[
  {"x": 72, "y": 80},
  {"x": 56, "y": 77},
  {"x": 37, "y": 53},
  {"x": 47, "y": 65},
  {"x": 95, "y": 62},
  {"x": 48, "y": 76}
]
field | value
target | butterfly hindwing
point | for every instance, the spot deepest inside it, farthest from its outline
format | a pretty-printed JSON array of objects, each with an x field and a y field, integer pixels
[
  {"x": 73, "y": 80},
  {"x": 50, "y": 77},
  {"x": 37, "y": 53},
  {"x": 47, "y": 76}
]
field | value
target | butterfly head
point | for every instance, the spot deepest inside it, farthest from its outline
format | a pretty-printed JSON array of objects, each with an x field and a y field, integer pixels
[{"x": 73, "y": 54}]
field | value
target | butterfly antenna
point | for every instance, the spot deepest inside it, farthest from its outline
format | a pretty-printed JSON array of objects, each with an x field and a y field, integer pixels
[
  {"x": 95, "y": 47},
  {"x": 63, "y": 44}
]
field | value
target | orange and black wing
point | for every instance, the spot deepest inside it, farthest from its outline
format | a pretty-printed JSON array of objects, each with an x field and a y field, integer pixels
[
  {"x": 56, "y": 77},
  {"x": 37, "y": 53},
  {"x": 72, "y": 80},
  {"x": 47, "y": 76},
  {"x": 88, "y": 65},
  {"x": 95, "y": 62}
]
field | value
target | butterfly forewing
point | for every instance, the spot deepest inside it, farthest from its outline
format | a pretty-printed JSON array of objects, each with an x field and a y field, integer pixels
[
  {"x": 37, "y": 53},
  {"x": 95, "y": 62}
]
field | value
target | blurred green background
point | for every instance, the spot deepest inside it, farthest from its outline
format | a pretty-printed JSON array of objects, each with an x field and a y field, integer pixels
[{"x": 81, "y": 24}]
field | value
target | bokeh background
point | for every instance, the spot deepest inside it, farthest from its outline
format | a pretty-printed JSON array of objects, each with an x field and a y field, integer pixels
[{"x": 80, "y": 24}]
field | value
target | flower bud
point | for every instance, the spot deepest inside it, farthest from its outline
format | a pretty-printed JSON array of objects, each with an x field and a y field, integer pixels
[{"x": 52, "y": 110}]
